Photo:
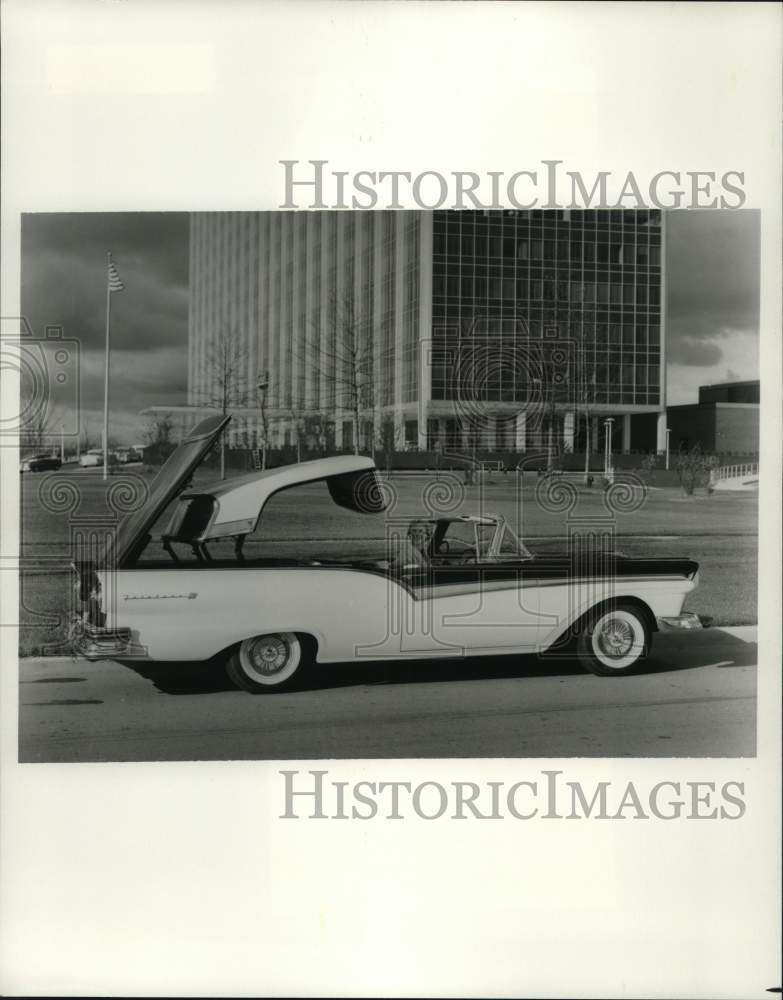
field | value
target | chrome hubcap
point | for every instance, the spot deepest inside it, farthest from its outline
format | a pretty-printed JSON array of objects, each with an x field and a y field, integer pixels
[
  {"x": 269, "y": 654},
  {"x": 616, "y": 637}
]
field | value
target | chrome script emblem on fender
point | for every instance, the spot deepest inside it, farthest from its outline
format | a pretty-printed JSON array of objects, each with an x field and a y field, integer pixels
[{"x": 160, "y": 597}]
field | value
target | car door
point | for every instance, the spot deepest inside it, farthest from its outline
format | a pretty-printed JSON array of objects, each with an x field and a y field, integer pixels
[{"x": 480, "y": 608}]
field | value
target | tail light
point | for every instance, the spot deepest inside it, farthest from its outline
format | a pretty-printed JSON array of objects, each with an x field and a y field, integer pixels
[
  {"x": 89, "y": 635},
  {"x": 88, "y": 595}
]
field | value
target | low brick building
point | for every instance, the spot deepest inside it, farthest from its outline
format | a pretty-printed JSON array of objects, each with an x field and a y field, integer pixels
[{"x": 726, "y": 419}]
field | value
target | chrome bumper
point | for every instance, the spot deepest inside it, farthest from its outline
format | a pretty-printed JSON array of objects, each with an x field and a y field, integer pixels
[
  {"x": 684, "y": 621},
  {"x": 95, "y": 643}
]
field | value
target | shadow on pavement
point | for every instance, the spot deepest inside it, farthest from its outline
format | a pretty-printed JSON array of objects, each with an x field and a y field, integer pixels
[
  {"x": 208, "y": 678},
  {"x": 187, "y": 678},
  {"x": 718, "y": 648},
  {"x": 182, "y": 677}
]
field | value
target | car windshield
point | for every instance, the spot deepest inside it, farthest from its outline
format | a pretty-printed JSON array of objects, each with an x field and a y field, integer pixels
[
  {"x": 509, "y": 546},
  {"x": 468, "y": 539},
  {"x": 456, "y": 536}
]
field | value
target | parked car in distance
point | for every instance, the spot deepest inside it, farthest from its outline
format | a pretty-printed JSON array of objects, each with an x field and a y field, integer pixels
[
  {"x": 127, "y": 455},
  {"x": 40, "y": 463},
  {"x": 91, "y": 458},
  {"x": 189, "y": 589}
]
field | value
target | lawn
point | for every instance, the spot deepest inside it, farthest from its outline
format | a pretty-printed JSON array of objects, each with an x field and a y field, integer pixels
[{"x": 719, "y": 531}]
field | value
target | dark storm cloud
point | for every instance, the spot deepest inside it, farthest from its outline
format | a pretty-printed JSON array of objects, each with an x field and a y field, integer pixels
[
  {"x": 70, "y": 291},
  {"x": 136, "y": 382},
  {"x": 64, "y": 284},
  {"x": 64, "y": 277},
  {"x": 712, "y": 280},
  {"x": 159, "y": 240}
]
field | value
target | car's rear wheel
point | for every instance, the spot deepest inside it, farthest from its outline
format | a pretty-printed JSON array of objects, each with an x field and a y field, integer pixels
[
  {"x": 271, "y": 662},
  {"x": 614, "y": 640}
]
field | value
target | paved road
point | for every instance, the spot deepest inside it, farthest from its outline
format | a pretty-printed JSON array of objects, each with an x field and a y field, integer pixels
[{"x": 697, "y": 698}]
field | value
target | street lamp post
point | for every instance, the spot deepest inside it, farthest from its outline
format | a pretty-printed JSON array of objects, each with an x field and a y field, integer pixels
[
  {"x": 262, "y": 385},
  {"x": 548, "y": 409},
  {"x": 668, "y": 432},
  {"x": 608, "y": 446},
  {"x": 62, "y": 444},
  {"x": 540, "y": 390},
  {"x": 587, "y": 445}
]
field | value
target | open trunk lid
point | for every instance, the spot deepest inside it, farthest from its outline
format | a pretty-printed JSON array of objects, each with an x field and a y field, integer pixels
[{"x": 173, "y": 477}]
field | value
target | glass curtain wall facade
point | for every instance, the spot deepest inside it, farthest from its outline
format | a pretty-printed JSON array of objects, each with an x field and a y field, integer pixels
[
  {"x": 545, "y": 314},
  {"x": 435, "y": 329},
  {"x": 223, "y": 310},
  {"x": 339, "y": 323}
]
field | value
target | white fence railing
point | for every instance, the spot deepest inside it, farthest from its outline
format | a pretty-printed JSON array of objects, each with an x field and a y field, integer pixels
[{"x": 737, "y": 471}]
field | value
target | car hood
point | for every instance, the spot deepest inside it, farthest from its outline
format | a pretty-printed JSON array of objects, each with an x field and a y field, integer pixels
[{"x": 172, "y": 479}]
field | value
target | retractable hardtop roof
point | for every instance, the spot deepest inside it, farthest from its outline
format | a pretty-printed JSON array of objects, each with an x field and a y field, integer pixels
[
  {"x": 227, "y": 508},
  {"x": 233, "y": 507}
]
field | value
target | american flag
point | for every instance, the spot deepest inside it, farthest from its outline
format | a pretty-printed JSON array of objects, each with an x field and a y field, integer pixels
[{"x": 115, "y": 282}]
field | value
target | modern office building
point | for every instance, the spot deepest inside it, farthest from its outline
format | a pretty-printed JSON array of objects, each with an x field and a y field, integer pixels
[{"x": 503, "y": 329}]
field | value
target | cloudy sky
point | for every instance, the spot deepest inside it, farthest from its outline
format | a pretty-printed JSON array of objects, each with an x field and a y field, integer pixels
[
  {"x": 713, "y": 297},
  {"x": 64, "y": 284}
]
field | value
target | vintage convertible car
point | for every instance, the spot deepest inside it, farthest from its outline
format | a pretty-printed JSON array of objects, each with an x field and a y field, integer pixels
[{"x": 197, "y": 591}]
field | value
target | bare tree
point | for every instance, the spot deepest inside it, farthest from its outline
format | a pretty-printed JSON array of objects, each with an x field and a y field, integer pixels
[
  {"x": 87, "y": 439},
  {"x": 35, "y": 432},
  {"x": 316, "y": 432},
  {"x": 226, "y": 383},
  {"x": 40, "y": 422},
  {"x": 41, "y": 430},
  {"x": 694, "y": 467},
  {"x": 392, "y": 438},
  {"x": 158, "y": 435},
  {"x": 553, "y": 387},
  {"x": 342, "y": 354},
  {"x": 585, "y": 393},
  {"x": 298, "y": 428},
  {"x": 571, "y": 382}
]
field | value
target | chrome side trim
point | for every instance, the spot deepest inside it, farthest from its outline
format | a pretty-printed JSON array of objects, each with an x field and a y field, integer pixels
[{"x": 427, "y": 589}]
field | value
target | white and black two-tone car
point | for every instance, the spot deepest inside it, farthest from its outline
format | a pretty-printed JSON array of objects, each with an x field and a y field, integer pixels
[{"x": 180, "y": 582}]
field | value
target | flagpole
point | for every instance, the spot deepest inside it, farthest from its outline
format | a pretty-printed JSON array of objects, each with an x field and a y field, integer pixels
[{"x": 106, "y": 375}]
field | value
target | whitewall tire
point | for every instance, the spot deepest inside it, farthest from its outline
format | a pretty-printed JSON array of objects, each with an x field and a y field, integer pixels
[
  {"x": 614, "y": 640},
  {"x": 270, "y": 662}
]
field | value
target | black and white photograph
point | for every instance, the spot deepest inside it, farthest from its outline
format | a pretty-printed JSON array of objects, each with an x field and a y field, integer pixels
[
  {"x": 496, "y": 469},
  {"x": 390, "y": 524}
]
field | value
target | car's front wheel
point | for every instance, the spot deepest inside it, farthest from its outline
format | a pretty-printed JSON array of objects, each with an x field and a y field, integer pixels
[
  {"x": 269, "y": 662},
  {"x": 614, "y": 640}
]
